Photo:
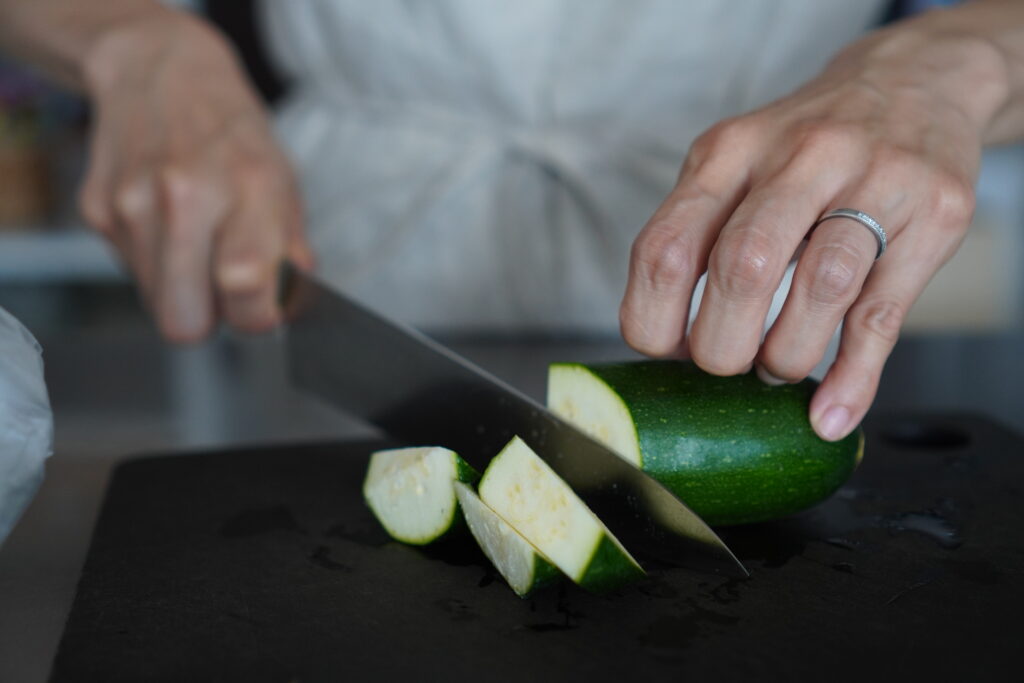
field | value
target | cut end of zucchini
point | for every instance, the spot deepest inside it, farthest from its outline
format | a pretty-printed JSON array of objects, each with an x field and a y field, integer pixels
[
  {"x": 584, "y": 400},
  {"x": 410, "y": 490},
  {"x": 521, "y": 488},
  {"x": 518, "y": 562}
]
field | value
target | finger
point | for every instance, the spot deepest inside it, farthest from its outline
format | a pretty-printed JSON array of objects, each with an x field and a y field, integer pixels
[
  {"x": 668, "y": 257},
  {"x": 250, "y": 248},
  {"x": 193, "y": 206},
  {"x": 828, "y": 279},
  {"x": 137, "y": 208},
  {"x": 747, "y": 264},
  {"x": 298, "y": 249},
  {"x": 872, "y": 328},
  {"x": 933, "y": 234},
  {"x": 93, "y": 196},
  {"x": 670, "y": 253}
]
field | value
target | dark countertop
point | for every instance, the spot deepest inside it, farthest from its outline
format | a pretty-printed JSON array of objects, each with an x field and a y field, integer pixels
[{"x": 117, "y": 390}]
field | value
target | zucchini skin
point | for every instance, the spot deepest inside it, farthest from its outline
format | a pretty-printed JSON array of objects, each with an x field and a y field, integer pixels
[
  {"x": 733, "y": 448},
  {"x": 609, "y": 568}
]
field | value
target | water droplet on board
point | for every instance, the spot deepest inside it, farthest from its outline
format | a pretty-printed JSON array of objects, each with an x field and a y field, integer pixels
[
  {"x": 321, "y": 556},
  {"x": 844, "y": 543},
  {"x": 457, "y": 610},
  {"x": 936, "y": 527}
]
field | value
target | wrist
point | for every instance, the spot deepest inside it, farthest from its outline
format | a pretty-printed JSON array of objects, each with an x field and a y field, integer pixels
[
  {"x": 932, "y": 62},
  {"x": 126, "y": 53}
]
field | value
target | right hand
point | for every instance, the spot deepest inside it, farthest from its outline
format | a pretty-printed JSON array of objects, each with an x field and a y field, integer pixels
[{"x": 185, "y": 178}]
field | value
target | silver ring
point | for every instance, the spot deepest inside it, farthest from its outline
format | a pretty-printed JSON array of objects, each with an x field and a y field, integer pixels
[{"x": 867, "y": 221}]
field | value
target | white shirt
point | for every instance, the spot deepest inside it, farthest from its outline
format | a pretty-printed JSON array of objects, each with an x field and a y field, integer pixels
[{"x": 486, "y": 165}]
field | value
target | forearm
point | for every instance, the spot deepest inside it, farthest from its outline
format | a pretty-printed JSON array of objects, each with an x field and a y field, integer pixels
[{"x": 72, "y": 40}]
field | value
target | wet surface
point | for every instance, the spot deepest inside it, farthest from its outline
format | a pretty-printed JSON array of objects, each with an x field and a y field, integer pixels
[
  {"x": 912, "y": 544},
  {"x": 321, "y": 556},
  {"x": 930, "y": 524},
  {"x": 259, "y": 521}
]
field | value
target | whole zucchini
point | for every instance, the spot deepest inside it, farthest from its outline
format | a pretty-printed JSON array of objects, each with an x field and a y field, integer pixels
[{"x": 732, "y": 448}]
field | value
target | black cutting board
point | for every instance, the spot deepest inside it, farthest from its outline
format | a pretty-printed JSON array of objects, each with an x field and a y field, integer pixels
[{"x": 263, "y": 564}]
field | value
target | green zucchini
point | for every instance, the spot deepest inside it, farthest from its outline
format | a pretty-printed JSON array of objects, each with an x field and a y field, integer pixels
[
  {"x": 411, "y": 492},
  {"x": 734, "y": 449},
  {"x": 519, "y": 563},
  {"x": 524, "y": 491}
]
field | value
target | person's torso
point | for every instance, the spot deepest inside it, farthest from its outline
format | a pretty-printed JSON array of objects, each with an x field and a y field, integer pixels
[{"x": 483, "y": 164}]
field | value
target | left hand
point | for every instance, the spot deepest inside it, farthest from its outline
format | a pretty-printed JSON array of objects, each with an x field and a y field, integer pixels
[{"x": 894, "y": 128}]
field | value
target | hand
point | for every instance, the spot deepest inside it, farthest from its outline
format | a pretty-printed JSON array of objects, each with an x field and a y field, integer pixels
[
  {"x": 886, "y": 130},
  {"x": 185, "y": 178}
]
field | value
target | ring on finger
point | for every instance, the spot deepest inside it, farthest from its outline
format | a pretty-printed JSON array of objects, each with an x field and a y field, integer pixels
[{"x": 864, "y": 219}]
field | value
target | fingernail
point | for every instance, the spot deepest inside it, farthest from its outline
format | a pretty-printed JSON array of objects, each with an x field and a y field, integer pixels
[
  {"x": 768, "y": 378},
  {"x": 833, "y": 424}
]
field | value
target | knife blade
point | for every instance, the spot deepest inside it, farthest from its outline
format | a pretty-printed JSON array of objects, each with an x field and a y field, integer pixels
[{"x": 422, "y": 393}]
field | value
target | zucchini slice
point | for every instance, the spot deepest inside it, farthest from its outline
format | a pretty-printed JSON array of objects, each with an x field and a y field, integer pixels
[
  {"x": 411, "y": 492},
  {"x": 519, "y": 563},
  {"x": 526, "y": 493},
  {"x": 734, "y": 449}
]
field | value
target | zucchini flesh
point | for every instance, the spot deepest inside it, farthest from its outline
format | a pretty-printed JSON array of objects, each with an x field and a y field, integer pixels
[
  {"x": 533, "y": 499},
  {"x": 410, "y": 490},
  {"x": 734, "y": 449},
  {"x": 518, "y": 562}
]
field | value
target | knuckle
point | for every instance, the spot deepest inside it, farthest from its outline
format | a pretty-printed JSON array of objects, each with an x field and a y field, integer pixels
[
  {"x": 178, "y": 187},
  {"x": 881, "y": 318},
  {"x": 662, "y": 260},
  {"x": 835, "y": 274},
  {"x": 726, "y": 135},
  {"x": 831, "y": 137},
  {"x": 733, "y": 131},
  {"x": 742, "y": 267},
  {"x": 132, "y": 201},
  {"x": 185, "y": 203},
  {"x": 952, "y": 201}
]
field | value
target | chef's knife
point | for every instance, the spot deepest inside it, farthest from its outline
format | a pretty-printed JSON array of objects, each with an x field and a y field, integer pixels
[{"x": 422, "y": 393}]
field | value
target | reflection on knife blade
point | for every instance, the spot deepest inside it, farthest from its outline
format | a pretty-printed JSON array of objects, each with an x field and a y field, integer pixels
[{"x": 423, "y": 393}]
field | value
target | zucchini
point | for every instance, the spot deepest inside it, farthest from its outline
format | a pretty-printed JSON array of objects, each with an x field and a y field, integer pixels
[
  {"x": 520, "y": 564},
  {"x": 526, "y": 493},
  {"x": 410, "y": 490},
  {"x": 734, "y": 449}
]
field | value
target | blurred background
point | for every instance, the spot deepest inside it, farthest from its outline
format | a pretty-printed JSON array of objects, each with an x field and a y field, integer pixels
[
  {"x": 117, "y": 389},
  {"x": 54, "y": 270}
]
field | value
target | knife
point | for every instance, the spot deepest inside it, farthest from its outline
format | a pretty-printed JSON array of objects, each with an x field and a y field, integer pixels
[{"x": 422, "y": 393}]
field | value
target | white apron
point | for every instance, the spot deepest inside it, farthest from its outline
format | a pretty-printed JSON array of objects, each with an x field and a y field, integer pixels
[{"x": 484, "y": 165}]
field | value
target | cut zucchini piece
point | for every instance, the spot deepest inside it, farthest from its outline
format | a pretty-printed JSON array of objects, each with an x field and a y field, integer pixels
[
  {"x": 733, "y": 448},
  {"x": 519, "y": 563},
  {"x": 411, "y": 492},
  {"x": 527, "y": 494}
]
